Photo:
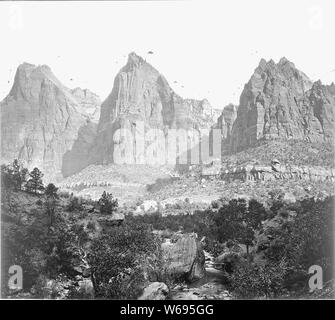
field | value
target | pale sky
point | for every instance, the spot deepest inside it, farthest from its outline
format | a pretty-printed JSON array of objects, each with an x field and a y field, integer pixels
[{"x": 210, "y": 48}]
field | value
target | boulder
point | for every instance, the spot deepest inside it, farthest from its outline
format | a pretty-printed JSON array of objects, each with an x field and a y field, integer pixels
[
  {"x": 185, "y": 259},
  {"x": 147, "y": 205},
  {"x": 155, "y": 291}
]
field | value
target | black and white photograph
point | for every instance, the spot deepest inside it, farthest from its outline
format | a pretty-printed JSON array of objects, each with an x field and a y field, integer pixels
[{"x": 180, "y": 151}]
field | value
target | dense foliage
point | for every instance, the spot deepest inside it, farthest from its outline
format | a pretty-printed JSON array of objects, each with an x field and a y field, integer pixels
[
  {"x": 274, "y": 268},
  {"x": 266, "y": 250},
  {"x": 118, "y": 258}
]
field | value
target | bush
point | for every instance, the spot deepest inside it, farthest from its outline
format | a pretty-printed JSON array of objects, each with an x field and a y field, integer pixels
[
  {"x": 307, "y": 240},
  {"x": 108, "y": 205},
  {"x": 74, "y": 205},
  {"x": 64, "y": 194},
  {"x": 91, "y": 226},
  {"x": 119, "y": 260},
  {"x": 213, "y": 247},
  {"x": 39, "y": 250},
  {"x": 250, "y": 280},
  {"x": 231, "y": 262},
  {"x": 238, "y": 221}
]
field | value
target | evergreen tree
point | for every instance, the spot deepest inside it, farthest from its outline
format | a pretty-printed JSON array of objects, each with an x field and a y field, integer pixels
[
  {"x": 51, "y": 191},
  {"x": 238, "y": 222},
  {"x": 256, "y": 214},
  {"x": 51, "y": 202},
  {"x": 19, "y": 175},
  {"x": 6, "y": 177},
  {"x": 35, "y": 183},
  {"x": 107, "y": 203}
]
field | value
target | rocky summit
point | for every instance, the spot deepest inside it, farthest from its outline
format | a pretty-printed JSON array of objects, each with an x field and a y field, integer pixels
[
  {"x": 63, "y": 131},
  {"x": 141, "y": 93},
  {"x": 281, "y": 102},
  {"x": 41, "y": 120}
]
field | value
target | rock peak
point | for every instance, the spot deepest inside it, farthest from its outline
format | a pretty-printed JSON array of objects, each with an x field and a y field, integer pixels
[
  {"x": 318, "y": 83},
  {"x": 134, "y": 59},
  {"x": 26, "y": 65},
  {"x": 42, "y": 121},
  {"x": 301, "y": 116},
  {"x": 262, "y": 63},
  {"x": 284, "y": 61}
]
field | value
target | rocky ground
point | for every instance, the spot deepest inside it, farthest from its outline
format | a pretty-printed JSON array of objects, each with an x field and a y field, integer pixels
[{"x": 211, "y": 286}]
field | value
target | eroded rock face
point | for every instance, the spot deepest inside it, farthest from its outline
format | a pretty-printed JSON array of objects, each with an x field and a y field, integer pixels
[
  {"x": 185, "y": 259},
  {"x": 89, "y": 103},
  {"x": 76, "y": 159},
  {"x": 40, "y": 120},
  {"x": 278, "y": 172},
  {"x": 225, "y": 123},
  {"x": 322, "y": 100},
  {"x": 141, "y": 93},
  {"x": 280, "y": 102}
]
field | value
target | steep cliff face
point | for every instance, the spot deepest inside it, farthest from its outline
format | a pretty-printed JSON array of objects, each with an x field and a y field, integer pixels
[
  {"x": 265, "y": 173},
  {"x": 225, "y": 123},
  {"x": 40, "y": 120},
  {"x": 76, "y": 159},
  {"x": 321, "y": 98},
  {"x": 280, "y": 102},
  {"x": 89, "y": 103},
  {"x": 141, "y": 93}
]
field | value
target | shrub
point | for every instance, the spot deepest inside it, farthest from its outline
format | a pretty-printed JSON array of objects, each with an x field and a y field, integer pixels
[
  {"x": 64, "y": 194},
  {"x": 108, "y": 205},
  {"x": 250, "y": 280},
  {"x": 239, "y": 221},
  {"x": 74, "y": 205},
  {"x": 91, "y": 226},
  {"x": 307, "y": 240},
  {"x": 118, "y": 260},
  {"x": 213, "y": 247},
  {"x": 14, "y": 176}
]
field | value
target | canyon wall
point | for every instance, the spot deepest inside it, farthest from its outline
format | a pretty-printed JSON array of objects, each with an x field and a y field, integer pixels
[
  {"x": 266, "y": 173},
  {"x": 41, "y": 120},
  {"x": 281, "y": 102}
]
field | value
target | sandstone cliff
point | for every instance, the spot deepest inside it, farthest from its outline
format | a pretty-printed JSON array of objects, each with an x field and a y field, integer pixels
[
  {"x": 265, "y": 173},
  {"x": 225, "y": 123},
  {"x": 89, "y": 103},
  {"x": 141, "y": 93},
  {"x": 40, "y": 120},
  {"x": 281, "y": 102}
]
